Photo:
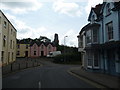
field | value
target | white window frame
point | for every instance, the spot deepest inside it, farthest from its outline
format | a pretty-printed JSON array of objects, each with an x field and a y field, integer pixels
[
  {"x": 110, "y": 32},
  {"x": 95, "y": 67},
  {"x": 89, "y": 66},
  {"x": 89, "y": 36},
  {"x": 94, "y": 35}
]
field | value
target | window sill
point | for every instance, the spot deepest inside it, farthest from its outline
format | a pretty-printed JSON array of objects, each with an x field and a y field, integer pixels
[
  {"x": 89, "y": 66},
  {"x": 110, "y": 40},
  {"x": 96, "y": 67},
  {"x": 108, "y": 15}
]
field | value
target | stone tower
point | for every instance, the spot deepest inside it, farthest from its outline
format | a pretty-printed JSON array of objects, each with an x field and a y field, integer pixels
[{"x": 56, "y": 40}]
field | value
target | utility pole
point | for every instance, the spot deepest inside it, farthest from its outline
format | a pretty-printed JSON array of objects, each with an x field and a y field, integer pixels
[{"x": 64, "y": 48}]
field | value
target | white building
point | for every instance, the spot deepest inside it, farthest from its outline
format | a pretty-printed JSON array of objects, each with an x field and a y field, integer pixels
[{"x": 102, "y": 38}]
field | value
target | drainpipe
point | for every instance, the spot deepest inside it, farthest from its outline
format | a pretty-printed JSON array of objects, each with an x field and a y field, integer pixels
[
  {"x": 119, "y": 22},
  {"x": 103, "y": 43}
]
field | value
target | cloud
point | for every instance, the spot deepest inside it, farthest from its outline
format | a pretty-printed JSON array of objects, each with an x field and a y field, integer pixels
[
  {"x": 21, "y": 7},
  {"x": 70, "y": 9},
  {"x": 25, "y": 31},
  {"x": 71, "y": 39},
  {"x": 90, "y": 4}
]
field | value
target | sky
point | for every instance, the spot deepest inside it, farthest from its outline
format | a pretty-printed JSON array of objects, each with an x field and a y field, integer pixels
[{"x": 35, "y": 18}]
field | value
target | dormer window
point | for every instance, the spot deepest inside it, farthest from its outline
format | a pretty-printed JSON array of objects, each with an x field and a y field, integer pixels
[
  {"x": 108, "y": 9},
  {"x": 93, "y": 19}
]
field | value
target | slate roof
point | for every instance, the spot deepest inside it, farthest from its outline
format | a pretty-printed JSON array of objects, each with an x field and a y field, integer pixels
[
  {"x": 89, "y": 25},
  {"x": 39, "y": 43},
  {"x": 97, "y": 10}
]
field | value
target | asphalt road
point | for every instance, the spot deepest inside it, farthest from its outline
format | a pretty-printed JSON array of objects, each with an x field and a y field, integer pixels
[{"x": 49, "y": 75}]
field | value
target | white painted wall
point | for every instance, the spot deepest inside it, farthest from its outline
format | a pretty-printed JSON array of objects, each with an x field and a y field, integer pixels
[{"x": 0, "y": 52}]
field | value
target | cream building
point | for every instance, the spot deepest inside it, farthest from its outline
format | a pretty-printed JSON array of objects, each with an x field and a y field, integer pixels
[
  {"x": 23, "y": 48},
  {"x": 7, "y": 40}
]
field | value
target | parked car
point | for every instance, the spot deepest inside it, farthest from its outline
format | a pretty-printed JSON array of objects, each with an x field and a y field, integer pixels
[{"x": 53, "y": 54}]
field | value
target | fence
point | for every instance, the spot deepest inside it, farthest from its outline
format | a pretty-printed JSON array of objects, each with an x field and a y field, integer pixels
[{"x": 19, "y": 64}]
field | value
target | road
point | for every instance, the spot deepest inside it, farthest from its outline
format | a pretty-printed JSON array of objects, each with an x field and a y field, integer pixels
[{"x": 49, "y": 75}]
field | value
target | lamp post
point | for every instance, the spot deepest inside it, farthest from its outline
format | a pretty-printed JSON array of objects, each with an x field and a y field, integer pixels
[{"x": 64, "y": 47}]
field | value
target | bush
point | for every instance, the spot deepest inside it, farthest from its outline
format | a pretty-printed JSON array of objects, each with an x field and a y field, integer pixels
[{"x": 68, "y": 57}]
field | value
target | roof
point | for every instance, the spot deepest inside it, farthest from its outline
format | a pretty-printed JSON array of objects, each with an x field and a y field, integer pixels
[
  {"x": 97, "y": 10},
  {"x": 24, "y": 41},
  {"x": 39, "y": 43},
  {"x": 117, "y": 6},
  {"x": 8, "y": 20},
  {"x": 89, "y": 25}
]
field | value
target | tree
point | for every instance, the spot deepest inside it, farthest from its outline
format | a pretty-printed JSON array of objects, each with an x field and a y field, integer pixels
[{"x": 44, "y": 39}]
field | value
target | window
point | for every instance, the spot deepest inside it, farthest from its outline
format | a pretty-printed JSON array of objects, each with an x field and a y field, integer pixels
[
  {"x": 27, "y": 46},
  {"x": 18, "y": 52},
  {"x": 49, "y": 47},
  {"x": 89, "y": 59},
  {"x": 34, "y": 52},
  {"x": 0, "y": 20},
  {"x": 4, "y": 41},
  {"x": 88, "y": 36},
  {"x": 93, "y": 19},
  {"x": 109, "y": 28},
  {"x": 8, "y": 56},
  {"x": 11, "y": 31},
  {"x": 95, "y": 35},
  {"x": 2, "y": 57},
  {"x": 11, "y": 44},
  {"x": 12, "y": 56},
  {"x": 96, "y": 63},
  {"x": 18, "y": 46},
  {"x": 5, "y": 24},
  {"x": 42, "y": 47},
  {"x": 81, "y": 42},
  {"x": 108, "y": 9}
]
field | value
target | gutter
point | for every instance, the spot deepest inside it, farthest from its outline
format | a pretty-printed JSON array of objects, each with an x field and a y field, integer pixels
[{"x": 119, "y": 22}]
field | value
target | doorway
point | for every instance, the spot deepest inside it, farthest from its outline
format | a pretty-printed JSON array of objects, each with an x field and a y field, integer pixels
[
  {"x": 111, "y": 61},
  {"x": 42, "y": 53},
  {"x": 26, "y": 53}
]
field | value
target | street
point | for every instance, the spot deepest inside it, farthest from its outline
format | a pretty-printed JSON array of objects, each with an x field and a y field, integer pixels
[{"x": 49, "y": 75}]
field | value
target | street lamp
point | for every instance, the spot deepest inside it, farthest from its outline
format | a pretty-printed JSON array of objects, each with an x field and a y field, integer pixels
[
  {"x": 64, "y": 39},
  {"x": 64, "y": 47}
]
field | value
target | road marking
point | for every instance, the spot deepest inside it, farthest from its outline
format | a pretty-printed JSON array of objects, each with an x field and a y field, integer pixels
[
  {"x": 39, "y": 84},
  {"x": 86, "y": 80}
]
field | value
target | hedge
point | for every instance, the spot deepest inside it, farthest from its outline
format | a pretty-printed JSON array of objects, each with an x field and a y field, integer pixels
[{"x": 68, "y": 57}]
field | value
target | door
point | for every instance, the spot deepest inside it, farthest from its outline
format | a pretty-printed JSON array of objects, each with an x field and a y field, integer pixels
[
  {"x": 26, "y": 53},
  {"x": 111, "y": 61},
  {"x": 42, "y": 53}
]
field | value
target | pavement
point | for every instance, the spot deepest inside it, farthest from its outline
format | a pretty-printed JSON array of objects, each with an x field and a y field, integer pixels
[{"x": 108, "y": 81}]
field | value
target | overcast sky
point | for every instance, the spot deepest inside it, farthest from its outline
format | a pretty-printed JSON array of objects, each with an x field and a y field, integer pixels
[{"x": 35, "y": 18}]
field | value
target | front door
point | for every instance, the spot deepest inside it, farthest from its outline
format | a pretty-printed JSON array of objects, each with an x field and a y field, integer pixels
[
  {"x": 26, "y": 53},
  {"x": 111, "y": 61},
  {"x": 42, "y": 53}
]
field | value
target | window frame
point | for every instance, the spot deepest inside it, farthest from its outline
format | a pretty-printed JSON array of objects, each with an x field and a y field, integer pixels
[
  {"x": 5, "y": 24},
  {"x": 110, "y": 31},
  {"x": 95, "y": 36},
  {"x": 88, "y": 36}
]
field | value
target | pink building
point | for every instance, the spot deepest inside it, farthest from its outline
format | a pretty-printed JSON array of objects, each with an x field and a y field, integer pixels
[
  {"x": 39, "y": 49},
  {"x": 34, "y": 49}
]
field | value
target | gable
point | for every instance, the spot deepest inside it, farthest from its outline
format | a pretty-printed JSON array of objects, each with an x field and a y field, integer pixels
[
  {"x": 92, "y": 16},
  {"x": 107, "y": 8},
  {"x": 95, "y": 12}
]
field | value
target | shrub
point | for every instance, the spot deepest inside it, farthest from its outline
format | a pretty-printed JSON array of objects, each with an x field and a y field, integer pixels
[{"x": 68, "y": 57}]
